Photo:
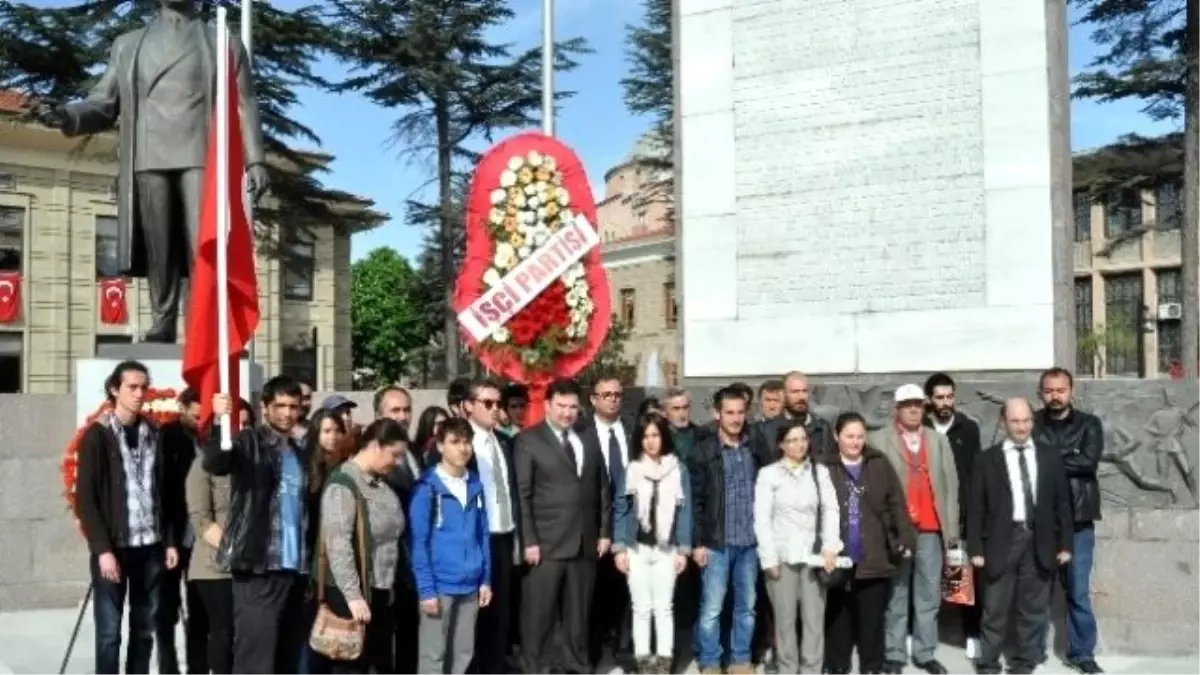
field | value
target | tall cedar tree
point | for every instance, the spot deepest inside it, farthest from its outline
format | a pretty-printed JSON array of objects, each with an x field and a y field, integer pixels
[
  {"x": 431, "y": 60},
  {"x": 54, "y": 54},
  {"x": 650, "y": 90},
  {"x": 1153, "y": 55}
]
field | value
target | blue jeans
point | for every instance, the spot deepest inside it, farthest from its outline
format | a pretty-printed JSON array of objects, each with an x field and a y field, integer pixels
[
  {"x": 142, "y": 569},
  {"x": 1077, "y": 586},
  {"x": 741, "y": 564}
]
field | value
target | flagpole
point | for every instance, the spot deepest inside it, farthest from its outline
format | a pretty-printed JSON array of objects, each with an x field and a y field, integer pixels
[
  {"x": 223, "y": 219},
  {"x": 247, "y": 26},
  {"x": 548, "y": 67}
]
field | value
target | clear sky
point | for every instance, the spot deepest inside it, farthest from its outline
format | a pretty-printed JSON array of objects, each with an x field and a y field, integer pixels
[{"x": 595, "y": 122}]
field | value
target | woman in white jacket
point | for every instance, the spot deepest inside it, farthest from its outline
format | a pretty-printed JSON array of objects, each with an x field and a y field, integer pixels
[{"x": 791, "y": 497}]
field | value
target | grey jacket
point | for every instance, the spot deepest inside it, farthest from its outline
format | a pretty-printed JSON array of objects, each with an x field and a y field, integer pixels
[
  {"x": 207, "y": 505},
  {"x": 943, "y": 474},
  {"x": 785, "y": 513}
]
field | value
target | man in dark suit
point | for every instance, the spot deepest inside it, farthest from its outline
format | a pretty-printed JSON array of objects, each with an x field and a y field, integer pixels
[
  {"x": 492, "y": 460},
  {"x": 566, "y": 523},
  {"x": 1019, "y": 531},
  {"x": 612, "y": 621}
]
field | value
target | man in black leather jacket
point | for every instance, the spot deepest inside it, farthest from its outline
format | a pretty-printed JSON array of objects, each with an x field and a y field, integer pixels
[{"x": 1079, "y": 438}]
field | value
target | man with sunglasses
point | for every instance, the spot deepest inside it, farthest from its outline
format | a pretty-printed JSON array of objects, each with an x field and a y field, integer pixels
[{"x": 492, "y": 460}]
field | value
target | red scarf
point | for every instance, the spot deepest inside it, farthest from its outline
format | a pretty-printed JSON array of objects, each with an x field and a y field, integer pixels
[{"x": 922, "y": 503}]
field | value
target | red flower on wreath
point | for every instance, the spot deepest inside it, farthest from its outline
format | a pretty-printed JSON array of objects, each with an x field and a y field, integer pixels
[
  {"x": 548, "y": 310},
  {"x": 158, "y": 408}
]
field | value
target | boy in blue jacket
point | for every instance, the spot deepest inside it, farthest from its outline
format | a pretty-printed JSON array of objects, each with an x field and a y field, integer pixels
[{"x": 451, "y": 556}]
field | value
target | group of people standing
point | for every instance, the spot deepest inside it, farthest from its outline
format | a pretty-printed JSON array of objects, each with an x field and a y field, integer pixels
[{"x": 476, "y": 546}]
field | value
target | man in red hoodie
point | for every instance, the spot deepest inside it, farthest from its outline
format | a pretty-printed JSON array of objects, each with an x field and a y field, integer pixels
[{"x": 924, "y": 461}]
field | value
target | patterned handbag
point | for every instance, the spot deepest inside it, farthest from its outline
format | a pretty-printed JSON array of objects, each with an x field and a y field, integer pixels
[{"x": 335, "y": 637}]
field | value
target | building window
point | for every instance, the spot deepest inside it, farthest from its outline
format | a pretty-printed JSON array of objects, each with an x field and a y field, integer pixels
[
  {"x": 107, "y": 260},
  {"x": 1168, "y": 200},
  {"x": 1123, "y": 324},
  {"x": 1170, "y": 331},
  {"x": 628, "y": 307},
  {"x": 1082, "y": 206},
  {"x": 110, "y": 339},
  {"x": 670, "y": 307},
  {"x": 299, "y": 267},
  {"x": 12, "y": 237},
  {"x": 300, "y": 362},
  {"x": 1085, "y": 362},
  {"x": 1122, "y": 212},
  {"x": 11, "y": 361}
]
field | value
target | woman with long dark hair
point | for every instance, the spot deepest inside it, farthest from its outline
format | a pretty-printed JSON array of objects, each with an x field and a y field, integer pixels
[
  {"x": 425, "y": 442},
  {"x": 324, "y": 448},
  {"x": 652, "y": 538},
  {"x": 877, "y": 533}
]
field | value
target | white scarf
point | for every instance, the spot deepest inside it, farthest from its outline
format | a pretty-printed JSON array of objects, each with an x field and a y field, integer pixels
[{"x": 640, "y": 480}]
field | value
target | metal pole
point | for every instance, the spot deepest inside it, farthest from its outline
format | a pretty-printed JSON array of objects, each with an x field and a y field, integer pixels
[
  {"x": 247, "y": 33},
  {"x": 548, "y": 67},
  {"x": 75, "y": 632}
]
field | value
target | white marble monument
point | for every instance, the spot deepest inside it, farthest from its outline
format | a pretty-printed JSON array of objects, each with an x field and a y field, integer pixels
[{"x": 865, "y": 186}]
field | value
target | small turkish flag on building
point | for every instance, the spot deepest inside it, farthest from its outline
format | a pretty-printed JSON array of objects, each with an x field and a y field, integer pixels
[
  {"x": 10, "y": 296},
  {"x": 114, "y": 310}
]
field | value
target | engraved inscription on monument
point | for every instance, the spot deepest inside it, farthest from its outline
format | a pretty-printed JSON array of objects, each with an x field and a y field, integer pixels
[{"x": 859, "y": 163}]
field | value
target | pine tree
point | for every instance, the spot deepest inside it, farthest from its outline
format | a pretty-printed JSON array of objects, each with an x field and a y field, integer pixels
[
  {"x": 1153, "y": 55},
  {"x": 650, "y": 90},
  {"x": 431, "y": 61},
  {"x": 53, "y": 54}
]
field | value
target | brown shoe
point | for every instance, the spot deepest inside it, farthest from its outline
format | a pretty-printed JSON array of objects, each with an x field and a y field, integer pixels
[{"x": 742, "y": 669}]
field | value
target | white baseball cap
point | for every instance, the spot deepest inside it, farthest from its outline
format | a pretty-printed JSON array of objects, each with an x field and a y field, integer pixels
[{"x": 909, "y": 392}]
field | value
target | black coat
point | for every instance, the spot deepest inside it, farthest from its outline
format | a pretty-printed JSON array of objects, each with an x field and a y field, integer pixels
[
  {"x": 1079, "y": 440},
  {"x": 820, "y": 436},
  {"x": 707, "y": 470},
  {"x": 255, "y": 469},
  {"x": 178, "y": 445},
  {"x": 990, "y": 514},
  {"x": 963, "y": 435},
  {"x": 563, "y": 512},
  {"x": 884, "y": 523}
]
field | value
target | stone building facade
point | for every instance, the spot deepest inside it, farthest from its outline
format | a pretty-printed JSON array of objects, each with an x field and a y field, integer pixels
[
  {"x": 639, "y": 256},
  {"x": 1128, "y": 280},
  {"x": 58, "y": 233}
]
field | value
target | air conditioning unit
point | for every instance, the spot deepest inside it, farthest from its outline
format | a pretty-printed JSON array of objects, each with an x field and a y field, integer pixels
[{"x": 1170, "y": 311}]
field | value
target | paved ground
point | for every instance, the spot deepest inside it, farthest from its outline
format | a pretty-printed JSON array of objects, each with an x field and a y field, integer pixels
[{"x": 35, "y": 642}]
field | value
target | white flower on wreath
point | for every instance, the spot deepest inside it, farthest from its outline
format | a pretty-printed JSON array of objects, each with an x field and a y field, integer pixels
[
  {"x": 535, "y": 158},
  {"x": 524, "y": 252},
  {"x": 496, "y": 216},
  {"x": 539, "y": 236},
  {"x": 515, "y": 163},
  {"x": 573, "y": 274},
  {"x": 549, "y": 163},
  {"x": 508, "y": 179},
  {"x": 500, "y": 334},
  {"x": 531, "y": 189},
  {"x": 505, "y": 257},
  {"x": 528, "y": 218},
  {"x": 563, "y": 197},
  {"x": 575, "y": 296},
  {"x": 498, "y": 196},
  {"x": 492, "y": 276}
]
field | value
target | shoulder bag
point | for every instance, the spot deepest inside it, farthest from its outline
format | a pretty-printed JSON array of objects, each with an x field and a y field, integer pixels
[
  {"x": 838, "y": 577},
  {"x": 334, "y": 637}
]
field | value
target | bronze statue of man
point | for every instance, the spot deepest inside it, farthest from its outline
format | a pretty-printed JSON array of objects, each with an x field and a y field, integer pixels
[{"x": 158, "y": 89}]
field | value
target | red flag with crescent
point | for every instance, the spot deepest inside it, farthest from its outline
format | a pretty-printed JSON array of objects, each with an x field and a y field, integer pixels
[
  {"x": 10, "y": 296},
  {"x": 114, "y": 310}
]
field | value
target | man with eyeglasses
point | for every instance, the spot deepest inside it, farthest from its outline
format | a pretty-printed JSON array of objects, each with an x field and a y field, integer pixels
[
  {"x": 492, "y": 460},
  {"x": 612, "y": 623}
]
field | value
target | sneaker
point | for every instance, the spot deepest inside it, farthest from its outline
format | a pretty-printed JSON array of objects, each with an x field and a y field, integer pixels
[
  {"x": 1084, "y": 666},
  {"x": 972, "y": 648},
  {"x": 894, "y": 667},
  {"x": 932, "y": 666}
]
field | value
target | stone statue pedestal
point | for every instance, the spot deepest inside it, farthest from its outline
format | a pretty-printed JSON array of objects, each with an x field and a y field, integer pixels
[{"x": 165, "y": 362}]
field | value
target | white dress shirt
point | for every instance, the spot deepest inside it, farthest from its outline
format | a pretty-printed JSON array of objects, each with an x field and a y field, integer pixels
[
  {"x": 576, "y": 445},
  {"x": 487, "y": 457},
  {"x": 602, "y": 432},
  {"x": 1014, "y": 476},
  {"x": 457, "y": 485}
]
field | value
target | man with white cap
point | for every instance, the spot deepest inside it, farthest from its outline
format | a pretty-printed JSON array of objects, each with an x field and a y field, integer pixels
[{"x": 924, "y": 461}]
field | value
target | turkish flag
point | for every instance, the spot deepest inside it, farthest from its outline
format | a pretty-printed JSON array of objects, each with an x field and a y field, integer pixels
[
  {"x": 113, "y": 308},
  {"x": 10, "y": 296},
  {"x": 202, "y": 352}
]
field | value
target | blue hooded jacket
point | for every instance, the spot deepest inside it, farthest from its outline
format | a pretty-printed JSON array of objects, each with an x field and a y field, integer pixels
[{"x": 451, "y": 551}]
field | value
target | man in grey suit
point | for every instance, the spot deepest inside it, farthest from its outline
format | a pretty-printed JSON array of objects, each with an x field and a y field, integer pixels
[
  {"x": 565, "y": 507},
  {"x": 159, "y": 89}
]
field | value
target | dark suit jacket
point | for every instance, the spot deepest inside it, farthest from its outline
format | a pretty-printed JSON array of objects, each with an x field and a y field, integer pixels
[
  {"x": 586, "y": 428},
  {"x": 990, "y": 513},
  {"x": 506, "y": 452},
  {"x": 564, "y": 513}
]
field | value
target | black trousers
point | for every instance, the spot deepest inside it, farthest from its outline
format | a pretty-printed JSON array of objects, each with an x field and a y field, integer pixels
[
  {"x": 1021, "y": 592},
  {"x": 612, "y": 617},
  {"x": 854, "y": 616},
  {"x": 406, "y": 622},
  {"x": 557, "y": 593},
  {"x": 216, "y": 597},
  {"x": 168, "y": 204},
  {"x": 764, "y": 621},
  {"x": 492, "y": 638},
  {"x": 268, "y": 626},
  {"x": 377, "y": 653},
  {"x": 689, "y": 588},
  {"x": 175, "y": 591}
]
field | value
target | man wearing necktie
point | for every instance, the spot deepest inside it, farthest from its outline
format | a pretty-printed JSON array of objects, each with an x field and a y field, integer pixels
[
  {"x": 612, "y": 620},
  {"x": 1019, "y": 532},
  {"x": 566, "y": 525},
  {"x": 492, "y": 460}
]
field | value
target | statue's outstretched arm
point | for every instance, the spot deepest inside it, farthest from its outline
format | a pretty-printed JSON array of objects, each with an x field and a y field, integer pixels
[{"x": 102, "y": 107}]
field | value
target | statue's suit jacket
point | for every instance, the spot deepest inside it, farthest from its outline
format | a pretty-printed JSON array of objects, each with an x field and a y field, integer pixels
[{"x": 113, "y": 101}]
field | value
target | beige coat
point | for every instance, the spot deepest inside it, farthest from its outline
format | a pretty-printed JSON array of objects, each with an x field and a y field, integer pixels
[
  {"x": 942, "y": 472},
  {"x": 208, "y": 505}
]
